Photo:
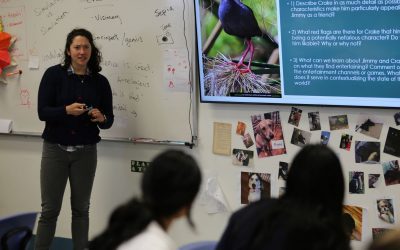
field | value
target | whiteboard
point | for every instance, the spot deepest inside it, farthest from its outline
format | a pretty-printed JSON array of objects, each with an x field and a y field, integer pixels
[{"x": 147, "y": 49}]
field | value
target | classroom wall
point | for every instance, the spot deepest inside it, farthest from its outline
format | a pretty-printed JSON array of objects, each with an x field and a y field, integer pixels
[{"x": 114, "y": 183}]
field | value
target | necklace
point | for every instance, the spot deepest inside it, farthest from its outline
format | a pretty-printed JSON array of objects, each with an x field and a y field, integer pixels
[{"x": 81, "y": 77}]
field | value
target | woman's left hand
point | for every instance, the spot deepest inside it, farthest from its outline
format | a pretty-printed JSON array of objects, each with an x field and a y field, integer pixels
[{"x": 96, "y": 115}]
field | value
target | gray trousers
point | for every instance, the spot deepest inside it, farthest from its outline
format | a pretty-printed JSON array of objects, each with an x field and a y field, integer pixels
[{"x": 57, "y": 167}]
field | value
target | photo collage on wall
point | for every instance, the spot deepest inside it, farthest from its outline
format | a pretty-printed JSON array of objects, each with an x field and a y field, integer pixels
[{"x": 262, "y": 137}]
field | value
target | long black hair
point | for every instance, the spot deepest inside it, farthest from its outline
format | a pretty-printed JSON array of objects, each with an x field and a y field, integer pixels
[
  {"x": 170, "y": 183},
  {"x": 309, "y": 214},
  {"x": 95, "y": 57},
  {"x": 315, "y": 178}
]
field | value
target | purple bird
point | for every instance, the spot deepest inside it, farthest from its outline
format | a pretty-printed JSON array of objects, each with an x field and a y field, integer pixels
[{"x": 237, "y": 19}]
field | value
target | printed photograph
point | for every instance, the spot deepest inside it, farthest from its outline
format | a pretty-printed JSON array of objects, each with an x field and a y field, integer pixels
[
  {"x": 247, "y": 140},
  {"x": 241, "y": 128},
  {"x": 373, "y": 180},
  {"x": 352, "y": 218},
  {"x": 268, "y": 134},
  {"x": 325, "y": 135},
  {"x": 385, "y": 210},
  {"x": 369, "y": 126},
  {"x": 240, "y": 48},
  {"x": 254, "y": 186},
  {"x": 241, "y": 157},
  {"x": 391, "y": 172},
  {"x": 314, "y": 121},
  {"x": 338, "y": 122},
  {"x": 345, "y": 141},
  {"x": 392, "y": 144},
  {"x": 367, "y": 152},
  {"x": 397, "y": 118},
  {"x": 283, "y": 170},
  {"x": 295, "y": 116},
  {"x": 356, "y": 183},
  {"x": 300, "y": 137},
  {"x": 378, "y": 232}
]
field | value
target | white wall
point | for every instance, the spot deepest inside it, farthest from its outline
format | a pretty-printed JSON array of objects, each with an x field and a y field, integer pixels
[{"x": 114, "y": 183}]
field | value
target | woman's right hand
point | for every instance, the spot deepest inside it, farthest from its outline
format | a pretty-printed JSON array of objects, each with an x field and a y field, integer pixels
[{"x": 75, "y": 109}]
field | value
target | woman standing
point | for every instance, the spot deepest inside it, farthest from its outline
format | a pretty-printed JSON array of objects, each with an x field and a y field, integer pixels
[{"x": 75, "y": 101}]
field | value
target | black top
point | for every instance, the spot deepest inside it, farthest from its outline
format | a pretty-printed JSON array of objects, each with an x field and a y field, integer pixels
[
  {"x": 60, "y": 87},
  {"x": 272, "y": 224},
  {"x": 243, "y": 226}
]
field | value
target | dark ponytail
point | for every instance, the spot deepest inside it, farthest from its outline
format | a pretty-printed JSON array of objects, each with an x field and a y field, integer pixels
[{"x": 125, "y": 222}]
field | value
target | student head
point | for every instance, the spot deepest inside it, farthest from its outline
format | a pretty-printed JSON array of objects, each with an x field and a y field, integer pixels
[
  {"x": 309, "y": 215},
  {"x": 171, "y": 183},
  {"x": 169, "y": 187},
  {"x": 316, "y": 178},
  {"x": 95, "y": 55}
]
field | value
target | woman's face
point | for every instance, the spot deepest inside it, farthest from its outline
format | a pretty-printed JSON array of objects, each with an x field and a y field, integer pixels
[{"x": 80, "y": 52}]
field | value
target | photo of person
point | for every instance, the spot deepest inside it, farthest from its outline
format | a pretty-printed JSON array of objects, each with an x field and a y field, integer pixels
[
  {"x": 254, "y": 186},
  {"x": 356, "y": 183},
  {"x": 373, "y": 180},
  {"x": 294, "y": 117},
  {"x": 314, "y": 121},
  {"x": 352, "y": 218},
  {"x": 338, "y": 122},
  {"x": 369, "y": 125},
  {"x": 300, "y": 137},
  {"x": 385, "y": 210},
  {"x": 392, "y": 144},
  {"x": 240, "y": 128},
  {"x": 391, "y": 172},
  {"x": 247, "y": 140},
  {"x": 367, "y": 152},
  {"x": 345, "y": 141},
  {"x": 242, "y": 157},
  {"x": 325, "y": 135},
  {"x": 268, "y": 134},
  {"x": 283, "y": 170}
]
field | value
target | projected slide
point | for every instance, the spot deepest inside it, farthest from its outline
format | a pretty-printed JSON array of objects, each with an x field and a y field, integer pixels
[{"x": 300, "y": 52}]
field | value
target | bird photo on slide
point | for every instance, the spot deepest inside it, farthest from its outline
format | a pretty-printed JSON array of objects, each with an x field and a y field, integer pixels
[{"x": 240, "y": 48}]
